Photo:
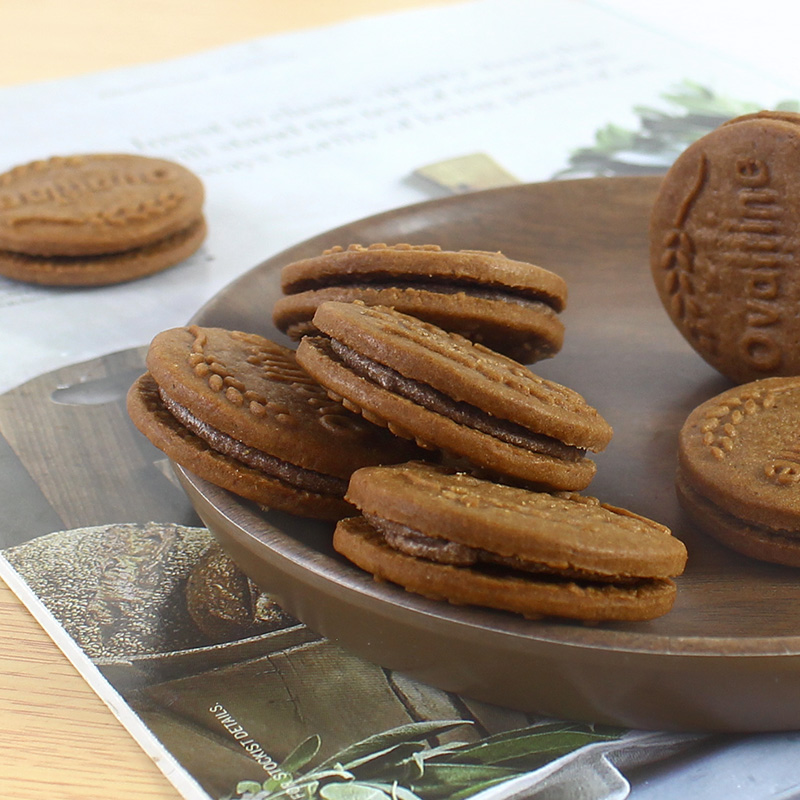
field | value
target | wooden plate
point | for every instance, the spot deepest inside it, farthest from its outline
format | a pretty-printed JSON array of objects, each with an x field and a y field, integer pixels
[{"x": 727, "y": 658}]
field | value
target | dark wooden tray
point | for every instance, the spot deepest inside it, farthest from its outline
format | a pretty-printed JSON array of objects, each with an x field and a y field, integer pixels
[{"x": 727, "y": 658}]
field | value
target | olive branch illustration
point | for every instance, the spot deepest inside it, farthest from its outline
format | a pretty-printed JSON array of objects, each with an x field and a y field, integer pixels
[{"x": 402, "y": 764}]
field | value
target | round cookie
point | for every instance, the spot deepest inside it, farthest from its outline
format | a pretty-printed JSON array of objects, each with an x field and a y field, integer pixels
[
  {"x": 509, "y": 306},
  {"x": 235, "y": 409},
  {"x": 739, "y": 468},
  {"x": 451, "y": 536},
  {"x": 95, "y": 219},
  {"x": 723, "y": 249},
  {"x": 451, "y": 394}
]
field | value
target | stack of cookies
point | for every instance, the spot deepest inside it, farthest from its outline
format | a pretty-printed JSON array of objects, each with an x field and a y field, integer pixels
[
  {"x": 463, "y": 462},
  {"x": 236, "y": 409}
]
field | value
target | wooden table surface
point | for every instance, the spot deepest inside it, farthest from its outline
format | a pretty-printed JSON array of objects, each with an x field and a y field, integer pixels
[{"x": 59, "y": 739}]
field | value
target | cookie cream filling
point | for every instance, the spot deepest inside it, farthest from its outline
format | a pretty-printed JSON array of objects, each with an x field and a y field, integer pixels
[
  {"x": 729, "y": 520},
  {"x": 532, "y": 302},
  {"x": 458, "y": 411},
  {"x": 419, "y": 545},
  {"x": 299, "y": 477},
  {"x": 529, "y": 298}
]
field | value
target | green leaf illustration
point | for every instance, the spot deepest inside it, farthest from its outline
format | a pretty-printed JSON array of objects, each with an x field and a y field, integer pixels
[
  {"x": 405, "y": 764},
  {"x": 352, "y": 791},
  {"x": 403, "y": 734},
  {"x": 663, "y": 134},
  {"x": 530, "y": 746},
  {"x": 302, "y": 754},
  {"x": 248, "y": 787},
  {"x": 367, "y": 791},
  {"x": 442, "y": 780},
  {"x": 384, "y": 760}
]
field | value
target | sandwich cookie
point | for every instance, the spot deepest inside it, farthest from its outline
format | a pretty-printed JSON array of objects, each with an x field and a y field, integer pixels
[
  {"x": 739, "y": 469},
  {"x": 97, "y": 219},
  {"x": 451, "y": 394},
  {"x": 507, "y": 305},
  {"x": 235, "y": 409},
  {"x": 451, "y": 536},
  {"x": 723, "y": 246}
]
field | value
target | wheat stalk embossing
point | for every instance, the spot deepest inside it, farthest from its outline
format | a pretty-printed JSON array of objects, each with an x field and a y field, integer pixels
[
  {"x": 720, "y": 423},
  {"x": 677, "y": 263}
]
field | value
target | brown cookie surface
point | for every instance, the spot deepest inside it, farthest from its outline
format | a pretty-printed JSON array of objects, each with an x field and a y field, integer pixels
[
  {"x": 449, "y": 393},
  {"x": 236, "y": 409},
  {"x": 739, "y": 468},
  {"x": 507, "y": 305},
  {"x": 92, "y": 204},
  {"x": 452, "y": 536},
  {"x": 724, "y": 253}
]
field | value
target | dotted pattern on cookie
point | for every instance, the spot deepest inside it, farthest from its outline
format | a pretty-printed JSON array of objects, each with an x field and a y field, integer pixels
[
  {"x": 163, "y": 203},
  {"x": 155, "y": 407},
  {"x": 380, "y": 421},
  {"x": 360, "y": 248},
  {"x": 557, "y": 507},
  {"x": 275, "y": 365},
  {"x": 472, "y": 356},
  {"x": 195, "y": 454},
  {"x": 404, "y": 247},
  {"x": 719, "y": 424}
]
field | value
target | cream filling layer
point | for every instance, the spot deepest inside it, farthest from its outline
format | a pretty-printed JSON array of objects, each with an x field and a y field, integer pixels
[
  {"x": 528, "y": 298},
  {"x": 460, "y": 412},
  {"x": 419, "y": 545},
  {"x": 295, "y": 476}
]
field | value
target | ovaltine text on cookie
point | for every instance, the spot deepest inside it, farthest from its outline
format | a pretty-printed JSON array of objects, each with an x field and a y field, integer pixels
[
  {"x": 756, "y": 246},
  {"x": 62, "y": 191}
]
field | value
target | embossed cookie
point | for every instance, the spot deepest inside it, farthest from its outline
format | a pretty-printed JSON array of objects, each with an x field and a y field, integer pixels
[
  {"x": 451, "y": 394},
  {"x": 97, "y": 219},
  {"x": 235, "y": 409},
  {"x": 451, "y": 536},
  {"x": 724, "y": 250},
  {"x": 739, "y": 468},
  {"x": 509, "y": 306}
]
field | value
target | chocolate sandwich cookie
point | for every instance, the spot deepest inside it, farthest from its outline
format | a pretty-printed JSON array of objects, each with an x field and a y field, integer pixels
[
  {"x": 97, "y": 219},
  {"x": 451, "y": 394},
  {"x": 739, "y": 468},
  {"x": 235, "y": 409},
  {"x": 724, "y": 254},
  {"x": 507, "y": 305},
  {"x": 452, "y": 536}
]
